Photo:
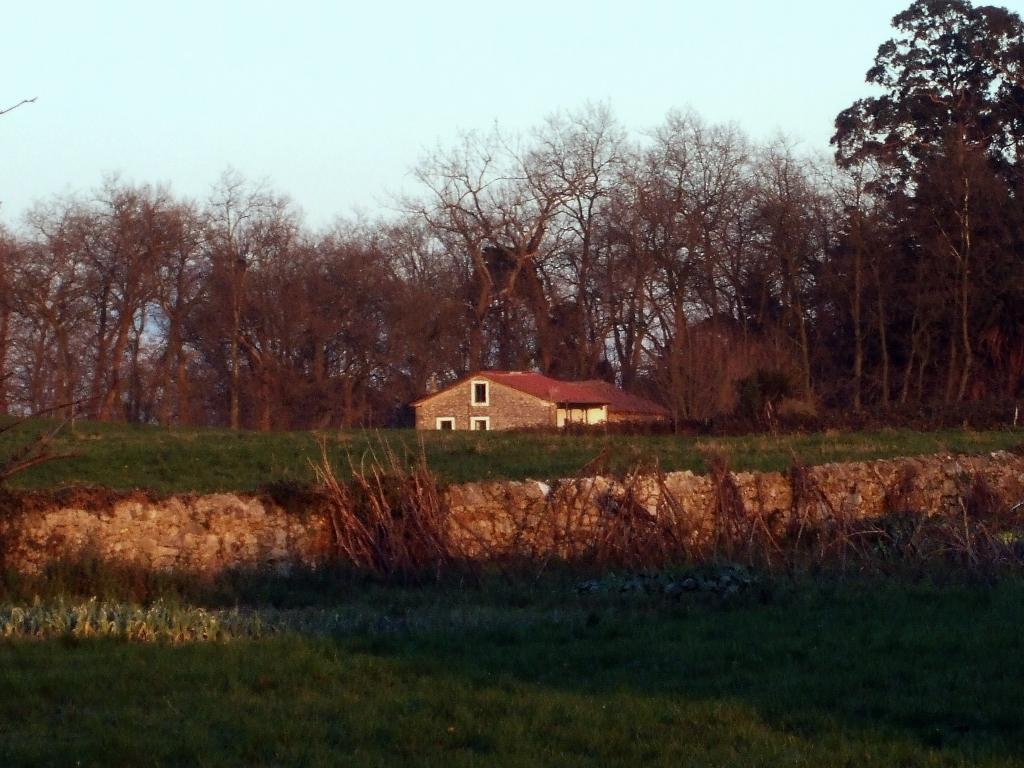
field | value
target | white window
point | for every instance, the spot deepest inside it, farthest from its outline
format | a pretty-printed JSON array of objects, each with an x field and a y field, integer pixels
[
  {"x": 481, "y": 393},
  {"x": 480, "y": 423},
  {"x": 445, "y": 422}
]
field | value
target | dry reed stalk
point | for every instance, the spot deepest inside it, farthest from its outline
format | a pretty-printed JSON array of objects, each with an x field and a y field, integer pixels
[
  {"x": 814, "y": 519},
  {"x": 687, "y": 525},
  {"x": 391, "y": 519},
  {"x": 571, "y": 514},
  {"x": 584, "y": 521},
  {"x": 729, "y": 519},
  {"x": 986, "y": 537},
  {"x": 628, "y": 535},
  {"x": 763, "y": 545}
]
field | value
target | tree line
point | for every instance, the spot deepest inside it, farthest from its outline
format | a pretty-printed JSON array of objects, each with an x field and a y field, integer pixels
[{"x": 688, "y": 263}]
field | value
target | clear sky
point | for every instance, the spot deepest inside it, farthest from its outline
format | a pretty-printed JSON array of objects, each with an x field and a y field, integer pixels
[{"x": 333, "y": 102}]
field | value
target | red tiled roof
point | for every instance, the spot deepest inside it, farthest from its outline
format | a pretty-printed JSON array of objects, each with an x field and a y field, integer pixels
[
  {"x": 621, "y": 401},
  {"x": 593, "y": 392}
]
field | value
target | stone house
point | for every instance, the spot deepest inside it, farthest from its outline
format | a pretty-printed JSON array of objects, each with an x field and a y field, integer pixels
[{"x": 500, "y": 400}]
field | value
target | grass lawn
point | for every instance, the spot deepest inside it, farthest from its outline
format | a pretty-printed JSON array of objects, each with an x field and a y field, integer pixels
[
  {"x": 855, "y": 675},
  {"x": 205, "y": 460}
]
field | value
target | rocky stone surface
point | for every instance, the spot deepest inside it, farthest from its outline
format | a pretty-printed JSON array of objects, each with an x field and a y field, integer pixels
[
  {"x": 190, "y": 533},
  {"x": 493, "y": 519},
  {"x": 531, "y": 519}
]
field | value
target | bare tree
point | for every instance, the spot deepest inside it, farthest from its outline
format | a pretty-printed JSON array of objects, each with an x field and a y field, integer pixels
[
  {"x": 183, "y": 285},
  {"x": 581, "y": 155},
  {"x": 242, "y": 217},
  {"x": 495, "y": 203}
]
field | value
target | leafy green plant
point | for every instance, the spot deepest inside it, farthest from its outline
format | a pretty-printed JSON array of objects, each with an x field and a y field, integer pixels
[{"x": 158, "y": 622}]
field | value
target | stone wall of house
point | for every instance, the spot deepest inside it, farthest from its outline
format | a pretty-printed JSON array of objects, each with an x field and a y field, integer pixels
[
  {"x": 494, "y": 519},
  {"x": 508, "y": 408}
]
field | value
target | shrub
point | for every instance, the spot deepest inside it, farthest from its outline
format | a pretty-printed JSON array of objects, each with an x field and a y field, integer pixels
[{"x": 761, "y": 393}]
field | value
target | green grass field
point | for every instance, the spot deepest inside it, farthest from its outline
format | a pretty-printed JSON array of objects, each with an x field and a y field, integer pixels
[
  {"x": 325, "y": 670},
  {"x": 854, "y": 675},
  {"x": 204, "y": 460}
]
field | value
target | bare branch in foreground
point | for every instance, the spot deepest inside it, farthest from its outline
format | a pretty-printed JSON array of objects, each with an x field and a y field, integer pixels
[{"x": 21, "y": 103}]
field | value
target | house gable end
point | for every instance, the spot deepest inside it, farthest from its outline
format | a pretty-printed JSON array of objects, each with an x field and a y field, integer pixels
[{"x": 506, "y": 407}]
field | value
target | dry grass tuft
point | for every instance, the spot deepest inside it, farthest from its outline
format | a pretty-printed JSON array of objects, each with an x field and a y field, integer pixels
[{"x": 391, "y": 518}]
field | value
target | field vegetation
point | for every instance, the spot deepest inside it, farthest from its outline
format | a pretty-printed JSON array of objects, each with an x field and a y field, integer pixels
[
  {"x": 896, "y": 642},
  {"x": 164, "y": 460},
  {"x": 879, "y": 642},
  {"x": 612, "y": 671}
]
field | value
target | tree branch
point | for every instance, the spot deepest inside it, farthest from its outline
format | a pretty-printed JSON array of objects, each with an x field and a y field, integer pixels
[{"x": 21, "y": 103}]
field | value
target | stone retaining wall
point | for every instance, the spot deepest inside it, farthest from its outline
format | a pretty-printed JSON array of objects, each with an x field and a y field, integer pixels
[
  {"x": 203, "y": 534},
  {"x": 213, "y": 532}
]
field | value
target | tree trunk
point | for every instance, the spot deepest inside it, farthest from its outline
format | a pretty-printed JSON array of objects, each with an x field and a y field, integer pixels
[
  {"x": 883, "y": 344},
  {"x": 951, "y": 368},
  {"x": 926, "y": 351},
  {"x": 182, "y": 391},
  {"x": 100, "y": 372},
  {"x": 348, "y": 402},
  {"x": 236, "y": 323},
  {"x": 172, "y": 353},
  {"x": 266, "y": 405},
  {"x": 805, "y": 351},
  {"x": 540, "y": 309},
  {"x": 964, "y": 264},
  {"x": 476, "y": 331},
  {"x": 135, "y": 397},
  {"x": 965, "y": 335},
  {"x": 37, "y": 383},
  {"x": 4, "y": 334},
  {"x": 66, "y": 373},
  {"x": 912, "y": 358},
  {"x": 116, "y": 353},
  {"x": 858, "y": 339},
  {"x": 679, "y": 343}
]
